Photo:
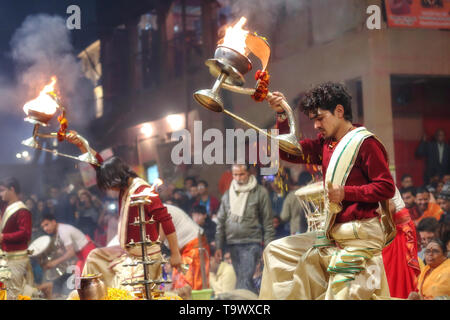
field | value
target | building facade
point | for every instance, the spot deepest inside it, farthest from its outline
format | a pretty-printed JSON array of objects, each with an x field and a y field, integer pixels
[{"x": 152, "y": 58}]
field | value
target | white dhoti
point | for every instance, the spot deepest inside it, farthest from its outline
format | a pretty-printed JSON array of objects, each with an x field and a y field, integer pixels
[
  {"x": 294, "y": 269},
  {"x": 110, "y": 261},
  {"x": 300, "y": 267},
  {"x": 356, "y": 268},
  {"x": 20, "y": 279}
]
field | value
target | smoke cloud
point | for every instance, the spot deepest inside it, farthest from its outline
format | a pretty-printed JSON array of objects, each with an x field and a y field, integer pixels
[
  {"x": 263, "y": 13},
  {"x": 41, "y": 48},
  {"x": 328, "y": 21}
]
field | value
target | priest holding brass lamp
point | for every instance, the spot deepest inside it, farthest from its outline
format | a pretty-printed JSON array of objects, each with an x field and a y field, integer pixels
[{"x": 342, "y": 253}]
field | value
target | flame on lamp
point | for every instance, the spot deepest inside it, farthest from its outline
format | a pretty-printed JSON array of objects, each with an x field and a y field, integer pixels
[
  {"x": 235, "y": 36},
  {"x": 43, "y": 103}
]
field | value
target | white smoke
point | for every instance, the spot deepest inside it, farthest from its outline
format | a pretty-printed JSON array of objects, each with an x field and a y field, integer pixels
[
  {"x": 263, "y": 14},
  {"x": 8, "y": 96},
  {"x": 41, "y": 48},
  {"x": 330, "y": 18}
]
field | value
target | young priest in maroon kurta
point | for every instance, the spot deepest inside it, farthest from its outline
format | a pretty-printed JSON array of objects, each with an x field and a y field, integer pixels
[
  {"x": 368, "y": 183},
  {"x": 107, "y": 179},
  {"x": 15, "y": 234}
]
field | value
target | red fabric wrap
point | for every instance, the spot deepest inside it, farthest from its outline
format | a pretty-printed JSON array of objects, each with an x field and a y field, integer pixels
[
  {"x": 155, "y": 209},
  {"x": 193, "y": 277},
  {"x": 83, "y": 253},
  {"x": 400, "y": 257}
]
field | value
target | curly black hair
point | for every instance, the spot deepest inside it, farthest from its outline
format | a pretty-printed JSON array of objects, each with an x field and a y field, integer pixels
[{"x": 327, "y": 96}]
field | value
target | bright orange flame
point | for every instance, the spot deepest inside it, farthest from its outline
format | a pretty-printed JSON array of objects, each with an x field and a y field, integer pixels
[
  {"x": 235, "y": 36},
  {"x": 43, "y": 103}
]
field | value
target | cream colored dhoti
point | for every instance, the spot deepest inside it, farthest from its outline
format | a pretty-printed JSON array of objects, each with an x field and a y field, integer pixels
[
  {"x": 21, "y": 280},
  {"x": 109, "y": 261},
  {"x": 299, "y": 268}
]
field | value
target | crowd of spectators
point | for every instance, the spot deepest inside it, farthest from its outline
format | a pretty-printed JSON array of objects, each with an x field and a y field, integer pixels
[
  {"x": 195, "y": 199},
  {"x": 90, "y": 213},
  {"x": 429, "y": 207},
  {"x": 96, "y": 215}
]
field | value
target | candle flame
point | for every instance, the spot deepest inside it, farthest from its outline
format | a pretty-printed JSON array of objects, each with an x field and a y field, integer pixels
[
  {"x": 43, "y": 103},
  {"x": 235, "y": 36}
]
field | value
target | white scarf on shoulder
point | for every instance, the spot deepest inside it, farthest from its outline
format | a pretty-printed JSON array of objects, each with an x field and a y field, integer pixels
[
  {"x": 123, "y": 226},
  {"x": 239, "y": 196},
  {"x": 9, "y": 211}
]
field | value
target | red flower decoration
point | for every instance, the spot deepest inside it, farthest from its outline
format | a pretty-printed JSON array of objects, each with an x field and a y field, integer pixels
[
  {"x": 262, "y": 85},
  {"x": 63, "y": 124}
]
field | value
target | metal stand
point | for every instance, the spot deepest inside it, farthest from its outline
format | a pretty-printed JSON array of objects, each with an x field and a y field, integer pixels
[{"x": 149, "y": 285}]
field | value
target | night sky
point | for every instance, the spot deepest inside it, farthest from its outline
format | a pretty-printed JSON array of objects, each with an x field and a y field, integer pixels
[{"x": 12, "y": 14}]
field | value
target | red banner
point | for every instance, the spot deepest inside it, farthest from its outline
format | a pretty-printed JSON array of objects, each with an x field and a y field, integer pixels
[{"x": 434, "y": 14}]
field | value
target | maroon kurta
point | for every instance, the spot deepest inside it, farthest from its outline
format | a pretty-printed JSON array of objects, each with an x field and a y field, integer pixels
[
  {"x": 17, "y": 231},
  {"x": 369, "y": 181},
  {"x": 155, "y": 209}
]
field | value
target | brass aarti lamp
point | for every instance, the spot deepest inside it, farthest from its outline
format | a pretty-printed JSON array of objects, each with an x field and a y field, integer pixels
[
  {"x": 39, "y": 112},
  {"x": 229, "y": 65}
]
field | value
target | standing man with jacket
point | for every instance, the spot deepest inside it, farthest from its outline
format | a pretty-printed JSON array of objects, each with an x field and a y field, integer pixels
[
  {"x": 244, "y": 224},
  {"x": 436, "y": 154}
]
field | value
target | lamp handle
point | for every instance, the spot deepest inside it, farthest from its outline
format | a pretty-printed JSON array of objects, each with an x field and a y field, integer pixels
[
  {"x": 286, "y": 107},
  {"x": 90, "y": 152}
]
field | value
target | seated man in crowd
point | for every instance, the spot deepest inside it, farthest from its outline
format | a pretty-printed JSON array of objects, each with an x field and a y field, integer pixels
[
  {"x": 409, "y": 198},
  {"x": 222, "y": 277},
  {"x": 427, "y": 230},
  {"x": 205, "y": 199},
  {"x": 200, "y": 216},
  {"x": 443, "y": 201},
  {"x": 406, "y": 181},
  {"x": 425, "y": 208},
  {"x": 279, "y": 227}
]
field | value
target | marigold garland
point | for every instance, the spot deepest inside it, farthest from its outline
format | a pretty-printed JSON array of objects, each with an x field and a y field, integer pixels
[{"x": 262, "y": 85}]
